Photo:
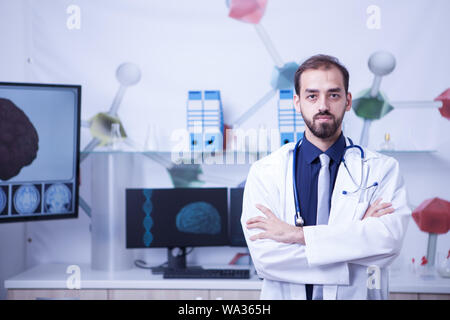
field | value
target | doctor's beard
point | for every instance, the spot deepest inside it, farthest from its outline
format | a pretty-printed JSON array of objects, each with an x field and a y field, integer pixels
[{"x": 324, "y": 130}]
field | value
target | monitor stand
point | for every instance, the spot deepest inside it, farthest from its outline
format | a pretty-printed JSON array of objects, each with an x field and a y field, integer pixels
[{"x": 176, "y": 259}]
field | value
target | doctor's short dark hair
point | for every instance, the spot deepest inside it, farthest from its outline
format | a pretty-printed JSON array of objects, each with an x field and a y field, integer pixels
[{"x": 320, "y": 61}]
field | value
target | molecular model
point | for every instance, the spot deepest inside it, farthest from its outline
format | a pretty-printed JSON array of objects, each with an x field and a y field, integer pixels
[
  {"x": 370, "y": 105},
  {"x": 101, "y": 125},
  {"x": 283, "y": 73}
]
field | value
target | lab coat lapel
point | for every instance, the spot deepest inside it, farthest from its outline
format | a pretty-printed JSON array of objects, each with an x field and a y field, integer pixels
[
  {"x": 343, "y": 206},
  {"x": 289, "y": 192}
]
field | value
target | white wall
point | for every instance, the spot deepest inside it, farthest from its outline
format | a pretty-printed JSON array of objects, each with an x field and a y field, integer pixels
[
  {"x": 187, "y": 45},
  {"x": 12, "y": 35}
]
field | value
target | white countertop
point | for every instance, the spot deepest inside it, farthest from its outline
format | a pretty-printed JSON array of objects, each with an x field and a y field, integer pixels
[
  {"x": 408, "y": 282},
  {"x": 54, "y": 276}
]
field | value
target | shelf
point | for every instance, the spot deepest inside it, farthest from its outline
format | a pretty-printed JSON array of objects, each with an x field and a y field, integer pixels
[
  {"x": 163, "y": 152},
  {"x": 406, "y": 151},
  {"x": 196, "y": 153},
  {"x": 169, "y": 159}
]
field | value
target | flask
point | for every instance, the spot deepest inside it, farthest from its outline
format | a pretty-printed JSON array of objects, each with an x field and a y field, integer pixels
[{"x": 387, "y": 144}]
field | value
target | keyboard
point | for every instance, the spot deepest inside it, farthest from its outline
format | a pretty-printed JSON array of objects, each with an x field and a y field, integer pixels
[{"x": 199, "y": 273}]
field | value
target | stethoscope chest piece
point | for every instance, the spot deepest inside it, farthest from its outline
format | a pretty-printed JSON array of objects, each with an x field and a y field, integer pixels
[{"x": 299, "y": 222}]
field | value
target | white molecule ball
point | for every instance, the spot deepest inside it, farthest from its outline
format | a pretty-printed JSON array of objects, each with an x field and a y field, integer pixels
[
  {"x": 128, "y": 74},
  {"x": 381, "y": 63}
]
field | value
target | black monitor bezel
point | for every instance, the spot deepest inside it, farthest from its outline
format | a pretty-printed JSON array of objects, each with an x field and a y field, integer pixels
[
  {"x": 232, "y": 243},
  {"x": 73, "y": 215}
]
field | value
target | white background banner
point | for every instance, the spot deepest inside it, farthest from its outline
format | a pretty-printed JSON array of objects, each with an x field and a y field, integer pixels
[{"x": 194, "y": 45}]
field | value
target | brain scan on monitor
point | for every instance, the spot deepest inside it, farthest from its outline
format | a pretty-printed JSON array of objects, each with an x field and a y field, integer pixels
[{"x": 58, "y": 198}]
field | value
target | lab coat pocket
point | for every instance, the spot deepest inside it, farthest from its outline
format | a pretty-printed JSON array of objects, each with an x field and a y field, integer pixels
[
  {"x": 342, "y": 209},
  {"x": 360, "y": 210}
]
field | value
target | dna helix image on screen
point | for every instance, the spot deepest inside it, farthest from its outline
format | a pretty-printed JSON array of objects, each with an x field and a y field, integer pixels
[{"x": 147, "y": 207}]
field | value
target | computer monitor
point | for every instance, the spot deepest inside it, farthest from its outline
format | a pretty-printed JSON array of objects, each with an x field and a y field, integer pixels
[
  {"x": 176, "y": 218},
  {"x": 237, "y": 238},
  {"x": 39, "y": 151}
]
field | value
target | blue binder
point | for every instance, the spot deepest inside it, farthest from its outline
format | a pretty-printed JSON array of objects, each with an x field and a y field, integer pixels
[
  {"x": 205, "y": 121},
  {"x": 290, "y": 123}
]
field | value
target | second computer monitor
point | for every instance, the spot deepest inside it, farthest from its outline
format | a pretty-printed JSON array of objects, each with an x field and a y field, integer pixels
[{"x": 237, "y": 238}]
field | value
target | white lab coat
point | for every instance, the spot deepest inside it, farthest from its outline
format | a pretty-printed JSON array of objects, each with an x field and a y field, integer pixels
[{"x": 336, "y": 255}]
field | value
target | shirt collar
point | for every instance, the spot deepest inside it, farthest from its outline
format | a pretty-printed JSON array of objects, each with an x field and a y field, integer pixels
[
  {"x": 309, "y": 151},
  {"x": 335, "y": 152}
]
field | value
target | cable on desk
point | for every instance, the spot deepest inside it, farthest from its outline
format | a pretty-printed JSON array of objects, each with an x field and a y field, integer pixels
[{"x": 143, "y": 265}]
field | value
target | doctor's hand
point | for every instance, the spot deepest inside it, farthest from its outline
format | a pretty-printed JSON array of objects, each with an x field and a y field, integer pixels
[
  {"x": 377, "y": 210},
  {"x": 274, "y": 228}
]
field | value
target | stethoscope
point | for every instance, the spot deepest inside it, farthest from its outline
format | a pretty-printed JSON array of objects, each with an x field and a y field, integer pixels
[{"x": 299, "y": 222}]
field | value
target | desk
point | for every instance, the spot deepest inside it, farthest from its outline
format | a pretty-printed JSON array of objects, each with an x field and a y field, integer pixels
[
  {"x": 411, "y": 286},
  {"x": 50, "y": 281}
]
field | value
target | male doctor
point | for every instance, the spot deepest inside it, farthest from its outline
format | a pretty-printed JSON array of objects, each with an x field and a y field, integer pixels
[{"x": 348, "y": 236}]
